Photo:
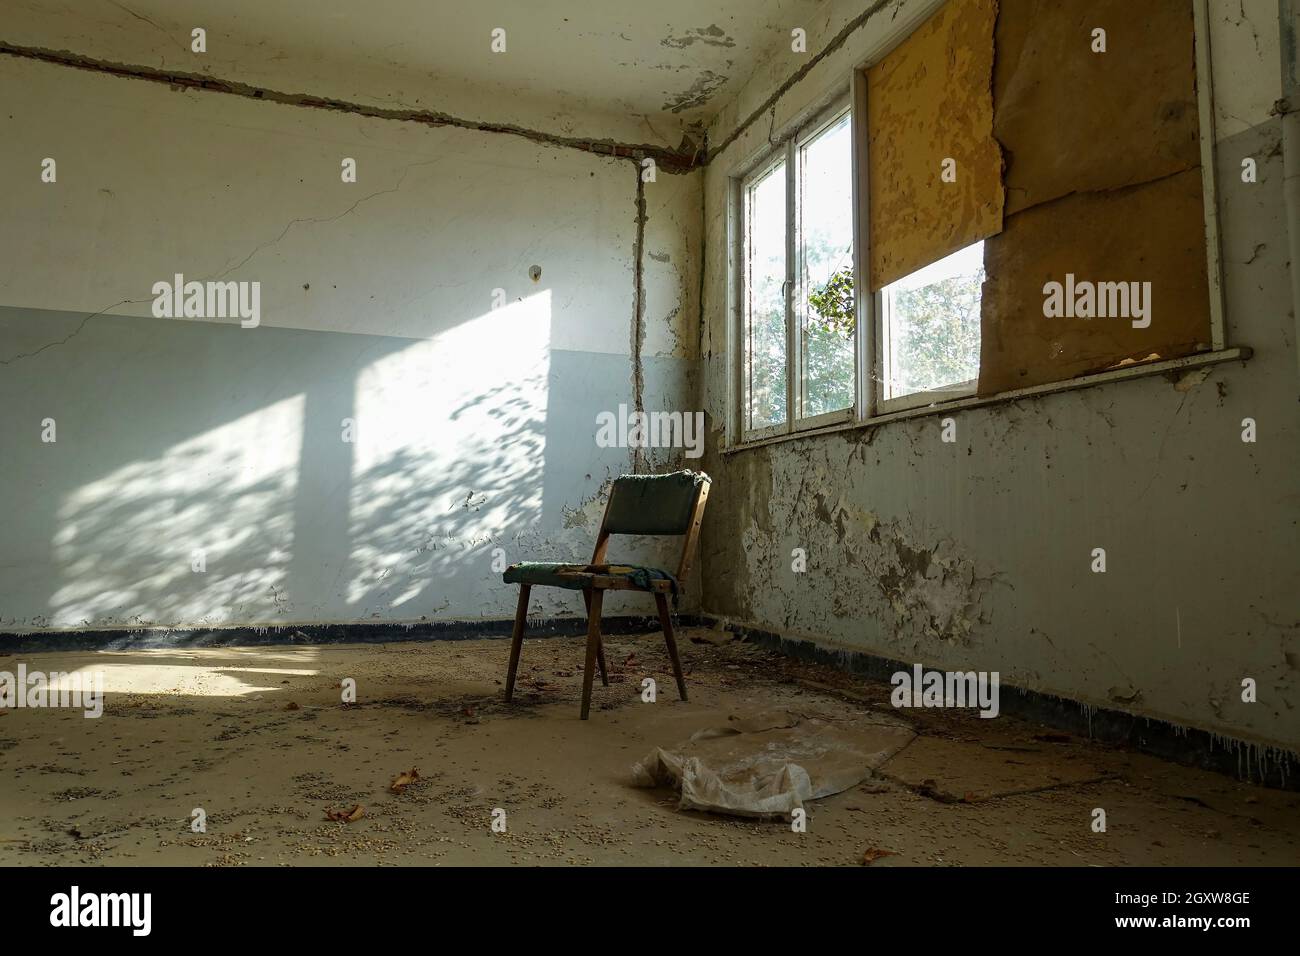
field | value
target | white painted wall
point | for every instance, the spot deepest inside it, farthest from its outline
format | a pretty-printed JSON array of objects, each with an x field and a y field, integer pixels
[
  {"x": 403, "y": 54},
  {"x": 474, "y": 426}
]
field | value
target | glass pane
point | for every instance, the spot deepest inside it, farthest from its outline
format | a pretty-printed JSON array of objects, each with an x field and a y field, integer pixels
[
  {"x": 826, "y": 302},
  {"x": 765, "y": 355},
  {"x": 932, "y": 326}
]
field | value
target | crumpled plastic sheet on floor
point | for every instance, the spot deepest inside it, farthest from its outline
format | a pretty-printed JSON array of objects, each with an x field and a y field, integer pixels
[{"x": 769, "y": 763}]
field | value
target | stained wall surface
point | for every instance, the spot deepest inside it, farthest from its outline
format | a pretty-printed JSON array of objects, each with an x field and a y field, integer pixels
[{"x": 976, "y": 554}]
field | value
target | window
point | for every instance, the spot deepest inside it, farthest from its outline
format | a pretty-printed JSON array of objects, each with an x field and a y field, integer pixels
[
  {"x": 930, "y": 332},
  {"x": 859, "y": 238},
  {"x": 798, "y": 298},
  {"x": 826, "y": 308},
  {"x": 766, "y": 362},
  {"x": 796, "y": 282}
]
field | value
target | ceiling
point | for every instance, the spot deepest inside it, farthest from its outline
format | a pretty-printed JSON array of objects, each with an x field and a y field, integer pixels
[{"x": 678, "y": 60}]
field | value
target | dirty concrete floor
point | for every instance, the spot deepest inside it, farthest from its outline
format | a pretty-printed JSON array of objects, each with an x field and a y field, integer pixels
[{"x": 217, "y": 729}]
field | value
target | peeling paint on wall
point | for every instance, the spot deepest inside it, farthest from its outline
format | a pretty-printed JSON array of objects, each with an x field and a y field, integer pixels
[
  {"x": 712, "y": 35},
  {"x": 929, "y": 589},
  {"x": 975, "y": 554},
  {"x": 698, "y": 94}
]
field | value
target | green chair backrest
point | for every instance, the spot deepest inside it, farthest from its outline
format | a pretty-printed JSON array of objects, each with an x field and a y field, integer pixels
[{"x": 653, "y": 504}]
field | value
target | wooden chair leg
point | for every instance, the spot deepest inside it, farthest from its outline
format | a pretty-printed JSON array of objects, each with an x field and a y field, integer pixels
[
  {"x": 666, "y": 622},
  {"x": 517, "y": 639},
  {"x": 600, "y": 646},
  {"x": 593, "y": 645}
]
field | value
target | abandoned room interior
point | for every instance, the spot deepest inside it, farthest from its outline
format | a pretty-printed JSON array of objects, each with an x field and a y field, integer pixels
[{"x": 701, "y": 432}]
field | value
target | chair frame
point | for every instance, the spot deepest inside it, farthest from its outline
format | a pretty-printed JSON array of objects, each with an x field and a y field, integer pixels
[{"x": 594, "y": 597}]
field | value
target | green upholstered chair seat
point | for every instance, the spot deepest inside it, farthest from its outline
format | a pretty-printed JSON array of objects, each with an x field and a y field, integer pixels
[{"x": 579, "y": 576}]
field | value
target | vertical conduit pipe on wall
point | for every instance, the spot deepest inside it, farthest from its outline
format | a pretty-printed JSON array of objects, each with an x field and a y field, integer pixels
[{"x": 1289, "y": 30}]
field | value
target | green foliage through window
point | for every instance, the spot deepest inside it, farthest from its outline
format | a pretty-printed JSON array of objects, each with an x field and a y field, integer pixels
[{"x": 834, "y": 303}]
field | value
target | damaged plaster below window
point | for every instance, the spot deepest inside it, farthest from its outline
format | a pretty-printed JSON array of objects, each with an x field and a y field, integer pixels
[
  {"x": 927, "y": 589},
  {"x": 919, "y": 588}
]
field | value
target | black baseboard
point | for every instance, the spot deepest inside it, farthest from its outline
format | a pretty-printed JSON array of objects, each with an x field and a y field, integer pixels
[
  {"x": 141, "y": 638},
  {"x": 1264, "y": 765}
]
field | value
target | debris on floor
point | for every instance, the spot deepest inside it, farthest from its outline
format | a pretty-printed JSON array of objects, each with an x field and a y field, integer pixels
[
  {"x": 769, "y": 763},
  {"x": 969, "y": 772},
  {"x": 872, "y": 854},
  {"x": 181, "y": 730},
  {"x": 404, "y": 780},
  {"x": 346, "y": 816}
]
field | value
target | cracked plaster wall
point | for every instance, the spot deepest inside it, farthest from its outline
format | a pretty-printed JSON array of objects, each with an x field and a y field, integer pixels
[
  {"x": 474, "y": 427},
  {"x": 973, "y": 559},
  {"x": 327, "y": 59},
  {"x": 975, "y": 555}
]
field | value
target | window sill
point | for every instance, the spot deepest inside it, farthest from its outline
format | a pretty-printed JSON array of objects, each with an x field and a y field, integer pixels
[{"x": 1125, "y": 373}]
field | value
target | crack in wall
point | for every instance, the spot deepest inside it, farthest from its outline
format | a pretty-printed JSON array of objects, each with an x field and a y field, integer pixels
[
  {"x": 704, "y": 249},
  {"x": 328, "y": 219},
  {"x": 770, "y": 103},
  {"x": 67, "y": 338},
  {"x": 144, "y": 19},
  {"x": 668, "y": 160},
  {"x": 221, "y": 275},
  {"x": 638, "y": 317},
  {"x": 680, "y": 160}
]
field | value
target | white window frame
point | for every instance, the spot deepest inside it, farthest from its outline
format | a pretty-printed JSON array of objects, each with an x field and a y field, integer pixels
[
  {"x": 761, "y": 171},
  {"x": 790, "y": 152},
  {"x": 822, "y": 121},
  {"x": 932, "y": 396},
  {"x": 870, "y": 408}
]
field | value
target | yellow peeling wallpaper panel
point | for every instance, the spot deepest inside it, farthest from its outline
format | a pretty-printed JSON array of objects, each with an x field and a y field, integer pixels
[{"x": 930, "y": 100}]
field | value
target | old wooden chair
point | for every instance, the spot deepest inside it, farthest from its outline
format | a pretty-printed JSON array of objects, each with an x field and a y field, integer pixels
[{"x": 638, "y": 504}]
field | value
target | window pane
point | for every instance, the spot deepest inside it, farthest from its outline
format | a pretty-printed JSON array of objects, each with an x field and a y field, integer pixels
[
  {"x": 931, "y": 326},
  {"x": 765, "y": 352},
  {"x": 826, "y": 301}
]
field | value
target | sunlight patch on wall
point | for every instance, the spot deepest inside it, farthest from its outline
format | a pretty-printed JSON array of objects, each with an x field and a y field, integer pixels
[
  {"x": 450, "y": 446},
  {"x": 191, "y": 535}
]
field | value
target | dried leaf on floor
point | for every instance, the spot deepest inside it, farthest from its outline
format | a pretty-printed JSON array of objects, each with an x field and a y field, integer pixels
[
  {"x": 404, "y": 780},
  {"x": 875, "y": 853},
  {"x": 346, "y": 816}
]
